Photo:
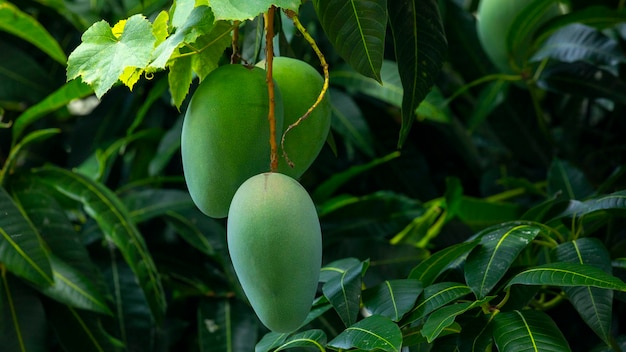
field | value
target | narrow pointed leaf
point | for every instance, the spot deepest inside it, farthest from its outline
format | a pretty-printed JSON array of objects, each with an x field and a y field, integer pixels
[
  {"x": 343, "y": 291},
  {"x": 568, "y": 274},
  {"x": 146, "y": 204},
  {"x": 527, "y": 330},
  {"x": 434, "y": 297},
  {"x": 372, "y": 333},
  {"x": 390, "y": 91},
  {"x": 116, "y": 223},
  {"x": 311, "y": 338},
  {"x": 595, "y": 305},
  {"x": 428, "y": 270},
  {"x": 22, "y": 251},
  {"x": 357, "y": 31},
  {"x": 188, "y": 231},
  {"x": 612, "y": 202},
  {"x": 444, "y": 317},
  {"x": 420, "y": 45},
  {"x": 348, "y": 121},
  {"x": 568, "y": 181},
  {"x": 488, "y": 262},
  {"x": 392, "y": 298},
  {"x": 226, "y": 325}
]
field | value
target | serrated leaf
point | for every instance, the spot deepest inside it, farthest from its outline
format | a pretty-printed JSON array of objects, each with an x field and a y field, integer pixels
[
  {"x": 488, "y": 262},
  {"x": 343, "y": 291},
  {"x": 372, "y": 333},
  {"x": 115, "y": 221},
  {"x": 444, "y": 317},
  {"x": 311, "y": 338},
  {"x": 392, "y": 298},
  {"x": 18, "y": 23},
  {"x": 226, "y": 325},
  {"x": 595, "y": 305},
  {"x": 420, "y": 46},
  {"x": 74, "y": 89},
  {"x": 102, "y": 57},
  {"x": 210, "y": 48},
  {"x": 241, "y": 10},
  {"x": 22, "y": 251},
  {"x": 428, "y": 270},
  {"x": 527, "y": 330},
  {"x": 568, "y": 274},
  {"x": 434, "y": 297},
  {"x": 357, "y": 31}
]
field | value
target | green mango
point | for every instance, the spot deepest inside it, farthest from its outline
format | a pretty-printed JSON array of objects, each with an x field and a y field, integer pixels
[
  {"x": 275, "y": 243},
  {"x": 225, "y": 135},
  {"x": 300, "y": 85},
  {"x": 496, "y": 18}
]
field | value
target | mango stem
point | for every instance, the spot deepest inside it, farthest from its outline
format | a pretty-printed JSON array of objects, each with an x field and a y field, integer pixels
[{"x": 269, "y": 55}]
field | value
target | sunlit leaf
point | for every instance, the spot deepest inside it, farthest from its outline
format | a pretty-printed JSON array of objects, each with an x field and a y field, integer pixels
[
  {"x": 357, "y": 31},
  {"x": 372, "y": 333},
  {"x": 428, "y": 270},
  {"x": 241, "y": 10},
  {"x": 392, "y": 298},
  {"x": 488, "y": 262},
  {"x": 343, "y": 291},
  {"x": 434, "y": 297},
  {"x": 390, "y": 91},
  {"x": 568, "y": 274},
  {"x": 527, "y": 330}
]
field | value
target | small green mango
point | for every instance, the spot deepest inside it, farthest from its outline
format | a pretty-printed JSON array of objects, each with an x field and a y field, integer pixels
[
  {"x": 275, "y": 243},
  {"x": 300, "y": 85},
  {"x": 225, "y": 135}
]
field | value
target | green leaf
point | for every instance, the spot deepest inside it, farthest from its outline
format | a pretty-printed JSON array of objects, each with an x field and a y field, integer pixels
[
  {"x": 480, "y": 213},
  {"x": 190, "y": 232},
  {"x": 226, "y": 325},
  {"x": 78, "y": 330},
  {"x": 311, "y": 338},
  {"x": 392, "y": 298},
  {"x": 241, "y": 10},
  {"x": 20, "y": 24},
  {"x": 488, "y": 100},
  {"x": 444, "y": 317},
  {"x": 568, "y": 274},
  {"x": 434, "y": 297},
  {"x": 372, "y": 333},
  {"x": 595, "y": 305},
  {"x": 612, "y": 202},
  {"x": 390, "y": 90},
  {"x": 74, "y": 89},
  {"x": 211, "y": 47},
  {"x": 326, "y": 189},
  {"x": 420, "y": 46},
  {"x": 600, "y": 17},
  {"x": 35, "y": 136},
  {"x": 146, "y": 204},
  {"x": 527, "y": 330},
  {"x": 486, "y": 264},
  {"x": 22, "y": 251},
  {"x": 103, "y": 56},
  {"x": 343, "y": 290},
  {"x": 115, "y": 221},
  {"x": 22, "y": 318},
  {"x": 567, "y": 180},
  {"x": 357, "y": 31},
  {"x": 428, "y": 270},
  {"x": 348, "y": 121}
]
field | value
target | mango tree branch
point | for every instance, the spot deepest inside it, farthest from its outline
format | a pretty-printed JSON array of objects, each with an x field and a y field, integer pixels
[{"x": 269, "y": 55}]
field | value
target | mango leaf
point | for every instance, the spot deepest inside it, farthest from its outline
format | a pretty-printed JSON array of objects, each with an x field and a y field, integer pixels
[
  {"x": 420, "y": 46},
  {"x": 527, "y": 330},
  {"x": 79, "y": 330},
  {"x": 149, "y": 203},
  {"x": 23, "y": 321},
  {"x": 567, "y": 180},
  {"x": 479, "y": 213},
  {"x": 613, "y": 202},
  {"x": 392, "y": 298},
  {"x": 22, "y": 251},
  {"x": 35, "y": 136},
  {"x": 241, "y": 10},
  {"x": 476, "y": 334},
  {"x": 488, "y": 262},
  {"x": 372, "y": 333},
  {"x": 190, "y": 232},
  {"x": 390, "y": 91},
  {"x": 74, "y": 89},
  {"x": 357, "y": 31},
  {"x": 103, "y": 55},
  {"x": 226, "y": 325},
  {"x": 311, "y": 338},
  {"x": 489, "y": 98},
  {"x": 270, "y": 341},
  {"x": 600, "y": 17},
  {"x": 348, "y": 121},
  {"x": 595, "y": 305},
  {"x": 20, "y": 24},
  {"x": 434, "y": 297},
  {"x": 568, "y": 274},
  {"x": 114, "y": 220},
  {"x": 343, "y": 291},
  {"x": 428, "y": 270},
  {"x": 444, "y": 317}
]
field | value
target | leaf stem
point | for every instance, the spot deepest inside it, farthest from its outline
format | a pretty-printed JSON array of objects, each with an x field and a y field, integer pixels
[
  {"x": 234, "y": 57},
  {"x": 296, "y": 21},
  {"x": 269, "y": 60}
]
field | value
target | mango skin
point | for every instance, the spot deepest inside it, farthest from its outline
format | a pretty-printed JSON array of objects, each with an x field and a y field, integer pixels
[
  {"x": 300, "y": 85},
  {"x": 495, "y": 19},
  {"x": 225, "y": 135},
  {"x": 275, "y": 244}
]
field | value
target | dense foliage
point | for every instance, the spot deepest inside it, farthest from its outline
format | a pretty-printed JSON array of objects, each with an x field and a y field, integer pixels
[{"x": 461, "y": 207}]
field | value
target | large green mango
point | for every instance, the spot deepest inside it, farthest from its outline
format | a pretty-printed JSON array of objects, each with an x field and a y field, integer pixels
[
  {"x": 275, "y": 244},
  {"x": 300, "y": 85},
  {"x": 496, "y": 18},
  {"x": 225, "y": 136}
]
